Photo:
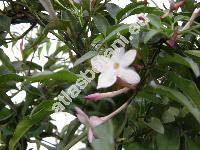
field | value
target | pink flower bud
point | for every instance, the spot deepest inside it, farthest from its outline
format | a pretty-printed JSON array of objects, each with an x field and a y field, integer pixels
[
  {"x": 172, "y": 41},
  {"x": 82, "y": 117}
]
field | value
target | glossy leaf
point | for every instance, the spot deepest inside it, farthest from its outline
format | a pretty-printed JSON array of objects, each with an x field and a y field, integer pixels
[
  {"x": 155, "y": 20},
  {"x": 101, "y": 23},
  {"x": 168, "y": 141},
  {"x": 6, "y": 61},
  {"x": 189, "y": 88},
  {"x": 85, "y": 57},
  {"x": 176, "y": 58},
  {"x": 156, "y": 125},
  {"x": 179, "y": 97},
  {"x": 5, "y": 23},
  {"x": 27, "y": 123},
  {"x": 113, "y": 9},
  {"x": 60, "y": 76},
  {"x": 105, "y": 134},
  {"x": 194, "y": 53},
  {"x": 150, "y": 35},
  {"x": 10, "y": 77}
]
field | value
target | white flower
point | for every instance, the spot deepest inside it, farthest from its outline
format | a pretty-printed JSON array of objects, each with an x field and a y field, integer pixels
[{"x": 116, "y": 66}]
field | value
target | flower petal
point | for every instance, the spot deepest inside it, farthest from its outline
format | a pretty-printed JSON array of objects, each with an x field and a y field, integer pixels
[
  {"x": 128, "y": 58},
  {"x": 82, "y": 117},
  {"x": 129, "y": 75},
  {"x": 100, "y": 63},
  {"x": 90, "y": 135},
  {"x": 118, "y": 54},
  {"x": 95, "y": 121},
  {"x": 106, "y": 79}
]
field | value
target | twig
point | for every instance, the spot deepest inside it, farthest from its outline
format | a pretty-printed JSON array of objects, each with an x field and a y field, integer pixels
[{"x": 25, "y": 33}]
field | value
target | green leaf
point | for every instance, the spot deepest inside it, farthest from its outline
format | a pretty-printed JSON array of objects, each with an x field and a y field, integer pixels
[
  {"x": 48, "y": 45},
  {"x": 41, "y": 106},
  {"x": 105, "y": 140},
  {"x": 168, "y": 141},
  {"x": 59, "y": 49},
  {"x": 148, "y": 96},
  {"x": 5, "y": 115},
  {"x": 155, "y": 20},
  {"x": 150, "y": 35},
  {"x": 56, "y": 25},
  {"x": 6, "y": 61},
  {"x": 189, "y": 5},
  {"x": 136, "y": 8},
  {"x": 101, "y": 23},
  {"x": 176, "y": 58},
  {"x": 5, "y": 23},
  {"x": 188, "y": 87},
  {"x": 179, "y": 18},
  {"x": 32, "y": 65},
  {"x": 179, "y": 97},
  {"x": 135, "y": 146},
  {"x": 117, "y": 29},
  {"x": 85, "y": 57},
  {"x": 6, "y": 100},
  {"x": 10, "y": 77},
  {"x": 190, "y": 144},
  {"x": 63, "y": 75},
  {"x": 123, "y": 13},
  {"x": 156, "y": 125},
  {"x": 169, "y": 115},
  {"x": 32, "y": 47},
  {"x": 112, "y": 9},
  {"x": 40, "y": 51},
  {"x": 24, "y": 125},
  {"x": 135, "y": 40},
  {"x": 195, "y": 53},
  {"x": 68, "y": 132}
]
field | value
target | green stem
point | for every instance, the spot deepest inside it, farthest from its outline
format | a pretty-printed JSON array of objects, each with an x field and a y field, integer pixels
[{"x": 76, "y": 140}]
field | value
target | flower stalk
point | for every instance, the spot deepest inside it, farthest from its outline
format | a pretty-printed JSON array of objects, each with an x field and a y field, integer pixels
[
  {"x": 94, "y": 121},
  {"x": 99, "y": 96},
  {"x": 195, "y": 14}
]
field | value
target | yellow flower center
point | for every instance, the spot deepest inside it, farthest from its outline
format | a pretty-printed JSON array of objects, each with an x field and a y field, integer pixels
[{"x": 116, "y": 65}]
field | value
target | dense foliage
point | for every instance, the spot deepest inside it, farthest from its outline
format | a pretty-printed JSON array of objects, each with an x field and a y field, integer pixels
[{"x": 164, "y": 109}]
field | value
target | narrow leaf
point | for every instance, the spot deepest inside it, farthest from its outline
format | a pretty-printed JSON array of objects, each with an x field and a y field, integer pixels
[
  {"x": 62, "y": 75},
  {"x": 101, "y": 23},
  {"x": 188, "y": 87},
  {"x": 179, "y": 97},
  {"x": 85, "y": 57},
  {"x": 195, "y": 53},
  {"x": 176, "y": 58},
  {"x": 6, "y": 61},
  {"x": 150, "y": 35},
  {"x": 26, "y": 124},
  {"x": 155, "y": 20}
]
